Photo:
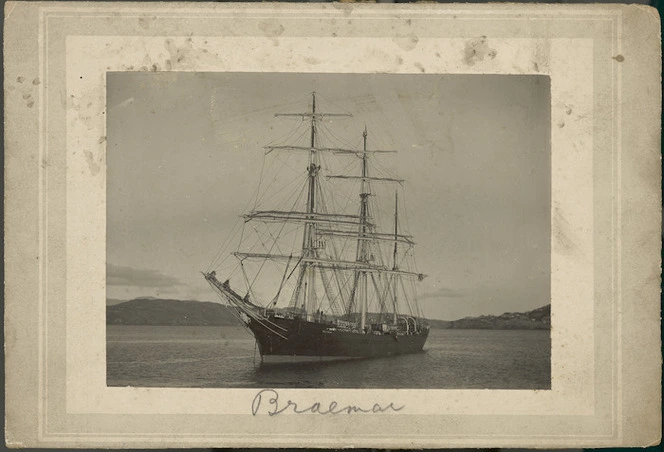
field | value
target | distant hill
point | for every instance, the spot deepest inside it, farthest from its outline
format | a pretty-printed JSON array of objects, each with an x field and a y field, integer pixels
[
  {"x": 537, "y": 319},
  {"x": 112, "y": 301},
  {"x": 153, "y": 311},
  {"x": 443, "y": 324}
]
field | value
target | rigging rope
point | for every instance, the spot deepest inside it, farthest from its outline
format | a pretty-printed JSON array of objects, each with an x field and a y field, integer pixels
[
  {"x": 339, "y": 201},
  {"x": 276, "y": 298},
  {"x": 260, "y": 181},
  {"x": 272, "y": 247},
  {"x": 223, "y": 246}
]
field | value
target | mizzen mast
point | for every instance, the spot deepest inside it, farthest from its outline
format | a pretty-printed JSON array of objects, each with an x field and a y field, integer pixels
[{"x": 394, "y": 255}]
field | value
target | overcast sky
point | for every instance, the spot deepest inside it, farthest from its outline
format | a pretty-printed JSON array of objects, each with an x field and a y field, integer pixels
[{"x": 185, "y": 152}]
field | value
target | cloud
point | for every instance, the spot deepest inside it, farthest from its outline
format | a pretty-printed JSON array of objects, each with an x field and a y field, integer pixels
[
  {"x": 443, "y": 292},
  {"x": 117, "y": 275}
]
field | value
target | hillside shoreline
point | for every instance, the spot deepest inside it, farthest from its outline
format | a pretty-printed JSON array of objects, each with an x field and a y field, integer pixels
[{"x": 167, "y": 312}]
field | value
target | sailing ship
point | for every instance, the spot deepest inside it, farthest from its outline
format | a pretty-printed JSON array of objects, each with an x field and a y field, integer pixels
[{"x": 343, "y": 286}]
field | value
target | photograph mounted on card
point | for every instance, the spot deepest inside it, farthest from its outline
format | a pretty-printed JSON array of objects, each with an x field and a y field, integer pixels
[{"x": 255, "y": 222}]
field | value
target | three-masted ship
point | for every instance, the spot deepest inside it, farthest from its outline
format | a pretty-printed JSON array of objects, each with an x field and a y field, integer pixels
[{"x": 342, "y": 287}]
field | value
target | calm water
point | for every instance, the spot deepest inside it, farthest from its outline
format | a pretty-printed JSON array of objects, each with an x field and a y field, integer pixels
[{"x": 182, "y": 356}]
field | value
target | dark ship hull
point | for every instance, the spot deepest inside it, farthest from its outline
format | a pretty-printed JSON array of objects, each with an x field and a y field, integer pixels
[
  {"x": 300, "y": 340},
  {"x": 284, "y": 336}
]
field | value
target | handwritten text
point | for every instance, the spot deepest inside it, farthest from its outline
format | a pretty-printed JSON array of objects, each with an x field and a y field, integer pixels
[{"x": 267, "y": 400}]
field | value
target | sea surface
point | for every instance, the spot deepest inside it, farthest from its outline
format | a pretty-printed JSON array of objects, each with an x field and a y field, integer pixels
[{"x": 226, "y": 357}]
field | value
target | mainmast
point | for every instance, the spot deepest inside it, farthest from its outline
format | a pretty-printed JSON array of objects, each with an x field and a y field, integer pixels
[{"x": 362, "y": 244}]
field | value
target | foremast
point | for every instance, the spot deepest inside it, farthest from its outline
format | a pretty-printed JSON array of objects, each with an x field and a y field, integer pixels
[
  {"x": 306, "y": 283},
  {"x": 309, "y": 240}
]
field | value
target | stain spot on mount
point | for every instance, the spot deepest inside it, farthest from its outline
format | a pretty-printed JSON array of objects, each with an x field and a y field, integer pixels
[
  {"x": 20, "y": 79},
  {"x": 477, "y": 49},
  {"x": 177, "y": 54},
  {"x": 619, "y": 58},
  {"x": 29, "y": 101},
  {"x": 146, "y": 21},
  {"x": 563, "y": 241},
  {"x": 347, "y": 8},
  {"x": 420, "y": 67},
  {"x": 92, "y": 165},
  {"x": 271, "y": 28},
  {"x": 408, "y": 42},
  {"x": 311, "y": 60},
  {"x": 36, "y": 81}
]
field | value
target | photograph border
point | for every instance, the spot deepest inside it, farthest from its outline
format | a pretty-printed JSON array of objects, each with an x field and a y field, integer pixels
[{"x": 65, "y": 417}]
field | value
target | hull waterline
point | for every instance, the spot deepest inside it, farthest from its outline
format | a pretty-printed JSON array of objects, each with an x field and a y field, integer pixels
[{"x": 293, "y": 340}]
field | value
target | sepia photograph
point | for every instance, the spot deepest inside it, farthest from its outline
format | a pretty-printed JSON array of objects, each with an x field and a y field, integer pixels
[
  {"x": 333, "y": 225},
  {"x": 328, "y": 230}
]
